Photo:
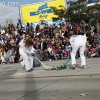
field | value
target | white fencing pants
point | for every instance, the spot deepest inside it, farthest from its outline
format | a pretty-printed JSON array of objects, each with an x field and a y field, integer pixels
[
  {"x": 28, "y": 60},
  {"x": 21, "y": 52},
  {"x": 81, "y": 48},
  {"x": 31, "y": 61},
  {"x": 22, "y": 63}
]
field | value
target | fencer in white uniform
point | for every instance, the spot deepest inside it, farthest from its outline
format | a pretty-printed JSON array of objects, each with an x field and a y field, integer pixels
[
  {"x": 78, "y": 42},
  {"x": 21, "y": 52},
  {"x": 28, "y": 56}
]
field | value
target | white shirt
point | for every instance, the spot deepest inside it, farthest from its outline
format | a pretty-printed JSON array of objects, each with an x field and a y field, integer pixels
[
  {"x": 49, "y": 49},
  {"x": 3, "y": 31},
  {"x": 1, "y": 42},
  {"x": 21, "y": 46}
]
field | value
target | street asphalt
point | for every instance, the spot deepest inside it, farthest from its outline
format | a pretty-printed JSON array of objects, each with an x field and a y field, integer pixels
[{"x": 41, "y": 84}]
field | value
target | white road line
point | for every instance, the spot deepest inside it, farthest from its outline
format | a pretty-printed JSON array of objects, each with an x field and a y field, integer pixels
[
  {"x": 27, "y": 73},
  {"x": 22, "y": 74}
]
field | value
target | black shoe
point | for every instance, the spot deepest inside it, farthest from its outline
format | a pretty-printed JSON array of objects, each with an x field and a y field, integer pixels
[
  {"x": 28, "y": 70},
  {"x": 73, "y": 67},
  {"x": 84, "y": 67},
  {"x": 31, "y": 69}
]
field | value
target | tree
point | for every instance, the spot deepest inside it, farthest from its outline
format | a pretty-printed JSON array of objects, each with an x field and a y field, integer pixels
[
  {"x": 60, "y": 13},
  {"x": 94, "y": 12},
  {"x": 77, "y": 11}
]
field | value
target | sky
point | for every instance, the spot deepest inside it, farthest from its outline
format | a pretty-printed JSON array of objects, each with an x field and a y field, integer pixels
[{"x": 9, "y": 13}]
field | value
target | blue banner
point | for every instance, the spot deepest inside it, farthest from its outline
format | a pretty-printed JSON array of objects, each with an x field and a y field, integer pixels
[{"x": 95, "y": 0}]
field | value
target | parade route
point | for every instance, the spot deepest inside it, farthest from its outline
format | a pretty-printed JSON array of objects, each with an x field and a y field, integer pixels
[{"x": 40, "y": 84}]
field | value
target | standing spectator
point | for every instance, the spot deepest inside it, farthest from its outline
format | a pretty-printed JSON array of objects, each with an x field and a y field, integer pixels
[
  {"x": 9, "y": 29},
  {"x": 28, "y": 28},
  {"x": 41, "y": 26},
  {"x": 2, "y": 31},
  {"x": 37, "y": 28},
  {"x": 1, "y": 41},
  {"x": 43, "y": 45},
  {"x": 31, "y": 27}
]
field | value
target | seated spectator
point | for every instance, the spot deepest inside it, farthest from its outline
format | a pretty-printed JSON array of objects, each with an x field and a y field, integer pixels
[
  {"x": 94, "y": 49},
  {"x": 98, "y": 37},
  {"x": 66, "y": 51},
  {"x": 12, "y": 56},
  {"x": 86, "y": 51},
  {"x": 0, "y": 53},
  {"x": 46, "y": 55},
  {"x": 51, "y": 52},
  {"x": 96, "y": 41},
  {"x": 99, "y": 49},
  {"x": 59, "y": 52},
  {"x": 67, "y": 46},
  {"x": 4, "y": 57}
]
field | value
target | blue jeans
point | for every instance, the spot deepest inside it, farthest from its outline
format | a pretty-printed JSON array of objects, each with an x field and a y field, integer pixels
[{"x": 6, "y": 60}]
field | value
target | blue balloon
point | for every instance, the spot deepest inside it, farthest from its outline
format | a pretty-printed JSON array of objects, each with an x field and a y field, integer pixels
[{"x": 95, "y": 0}]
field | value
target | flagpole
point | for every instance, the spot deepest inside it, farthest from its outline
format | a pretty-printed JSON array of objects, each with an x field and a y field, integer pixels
[{"x": 20, "y": 16}]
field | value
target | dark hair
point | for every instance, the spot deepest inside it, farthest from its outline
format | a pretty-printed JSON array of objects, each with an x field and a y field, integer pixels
[
  {"x": 29, "y": 42},
  {"x": 28, "y": 24},
  {"x": 80, "y": 33}
]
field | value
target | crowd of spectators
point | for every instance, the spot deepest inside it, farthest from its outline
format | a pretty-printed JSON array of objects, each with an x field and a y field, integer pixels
[{"x": 51, "y": 40}]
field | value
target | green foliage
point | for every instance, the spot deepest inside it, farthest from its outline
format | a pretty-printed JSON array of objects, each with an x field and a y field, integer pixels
[{"x": 61, "y": 13}]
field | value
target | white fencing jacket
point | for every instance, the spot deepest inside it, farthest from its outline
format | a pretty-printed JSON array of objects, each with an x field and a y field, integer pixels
[{"x": 77, "y": 39}]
